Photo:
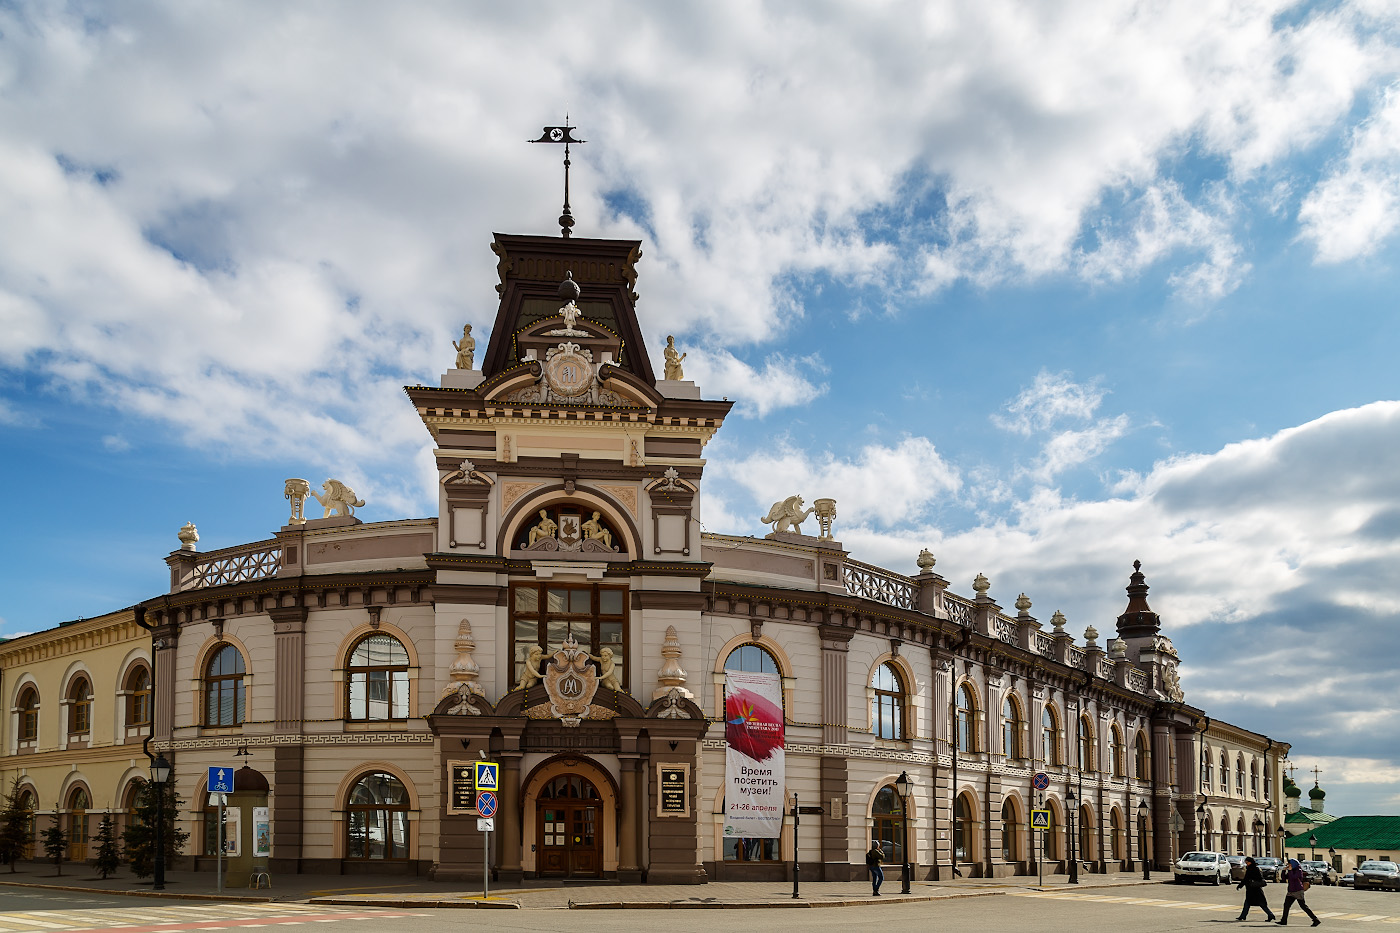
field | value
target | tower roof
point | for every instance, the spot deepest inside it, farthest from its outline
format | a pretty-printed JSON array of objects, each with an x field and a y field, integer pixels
[{"x": 1138, "y": 620}]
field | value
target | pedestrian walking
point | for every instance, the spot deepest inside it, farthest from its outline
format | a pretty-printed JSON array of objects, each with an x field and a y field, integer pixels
[
  {"x": 873, "y": 858},
  {"x": 1253, "y": 884},
  {"x": 1297, "y": 885}
]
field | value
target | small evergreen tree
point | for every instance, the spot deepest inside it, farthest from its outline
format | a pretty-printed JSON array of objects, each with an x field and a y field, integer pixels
[
  {"x": 14, "y": 826},
  {"x": 109, "y": 859},
  {"x": 56, "y": 843},
  {"x": 139, "y": 838}
]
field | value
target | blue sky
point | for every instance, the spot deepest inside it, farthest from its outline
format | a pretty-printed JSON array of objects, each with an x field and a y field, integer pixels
[{"x": 1043, "y": 287}]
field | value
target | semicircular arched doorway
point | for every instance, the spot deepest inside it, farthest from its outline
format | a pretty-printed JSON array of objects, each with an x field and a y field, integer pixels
[{"x": 569, "y": 830}]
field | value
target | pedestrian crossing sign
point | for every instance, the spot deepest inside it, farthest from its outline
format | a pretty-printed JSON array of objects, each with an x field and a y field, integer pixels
[
  {"x": 1040, "y": 819},
  {"x": 486, "y": 774}
]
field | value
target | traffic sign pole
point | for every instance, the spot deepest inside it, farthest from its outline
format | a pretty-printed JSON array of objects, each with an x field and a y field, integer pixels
[{"x": 487, "y": 781}]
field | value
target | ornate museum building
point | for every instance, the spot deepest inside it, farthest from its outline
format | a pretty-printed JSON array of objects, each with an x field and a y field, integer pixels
[{"x": 562, "y": 614}]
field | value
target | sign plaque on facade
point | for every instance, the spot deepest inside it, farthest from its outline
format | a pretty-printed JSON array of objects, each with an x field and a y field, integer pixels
[
  {"x": 672, "y": 789},
  {"x": 461, "y": 787}
]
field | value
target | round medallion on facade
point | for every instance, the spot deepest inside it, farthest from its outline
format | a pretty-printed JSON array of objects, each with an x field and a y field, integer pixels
[{"x": 569, "y": 371}]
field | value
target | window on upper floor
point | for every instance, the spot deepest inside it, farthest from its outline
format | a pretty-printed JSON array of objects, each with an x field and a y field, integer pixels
[
  {"x": 79, "y": 706},
  {"x": 1144, "y": 758},
  {"x": 1239, "y": 776},
  {"x": 29, "y": 715},
  {"x": 1205, "y": 770},
  {"x": 1085, "y": 744},
  {"x": 1254, "y": 779},
  {"x": 138, "y": 696},
  {"x": 753, "y": 659},
  {"x": 224, "y": 696},
  {"x": 1120, "y": 753},
  {"x": 1049, "y": 734},
  {"x": 1224, "y": 772},
  {"x": 376, "y": 679},
  {"x": 1011, "y": 727},
  {"x": 966, "y": 720},
  {"x": 543, "y": 615},
  {"x": 887, "y": 715}
]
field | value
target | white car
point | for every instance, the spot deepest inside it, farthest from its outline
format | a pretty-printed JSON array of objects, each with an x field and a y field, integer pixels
[{"x": 1202, "y": 866}]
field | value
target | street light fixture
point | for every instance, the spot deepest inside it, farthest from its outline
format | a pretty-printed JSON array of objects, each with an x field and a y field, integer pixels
[
  {"x": 901, "y": 786},
  {"x": 1312, "y": 843},
  {"x": 1200, "y": 826},
  {"x": 1070, "y": 802},
  {"x": 1142, "y": 840},
  {"x": 160, "y": 776},
  {"x": 1258, "y": 827},
  {"x": 1282, "y": 835}
]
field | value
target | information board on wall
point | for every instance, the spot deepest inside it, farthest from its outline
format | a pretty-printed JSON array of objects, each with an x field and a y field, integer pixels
[
  {"x": 262, "y": 832},
  {"x": 672, "y": 789},
  {"x": 461, "y": 787},
  {"x": 754, "y": 772}
]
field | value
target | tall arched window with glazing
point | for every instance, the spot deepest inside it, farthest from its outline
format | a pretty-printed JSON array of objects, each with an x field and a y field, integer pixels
[
  {"x": 1120, "y": 753},
  {"x": 138, "y": 696},
  {"x": 79, "y": 707},
  {"x": 78, "y": 806},
  {"x": 376, "y": 818},
  {"x": 887, "y": 717},
  {"x": 1144, "y": 758},
  {"x": 1049, "y": 736},
  {"x": 1239, "y": 776},
  {"x": 1011, "y": 830},
  {"x": 1011, "y": 728},
  {"x": 1206, "y": 776},
  {"x": 966, "y": 720},
  {"x": 29, "y": 715},
  {"x": 28, "y": 807},
  {"x": 224, "y": 697},
  {"x": 1254, "y": 779},
  {"x": 1224, "y": 772},
  {"x": 887, "y": 819},
  {"x": 1084, "y": 743},
  {"x": 376, "y": 679}
]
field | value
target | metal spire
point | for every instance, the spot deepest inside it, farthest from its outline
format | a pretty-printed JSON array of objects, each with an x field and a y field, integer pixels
[{"x": 562, "y": 134}]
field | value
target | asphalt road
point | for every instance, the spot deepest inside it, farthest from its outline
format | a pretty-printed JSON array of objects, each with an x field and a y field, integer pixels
[{"x": 1062, "y": 910}]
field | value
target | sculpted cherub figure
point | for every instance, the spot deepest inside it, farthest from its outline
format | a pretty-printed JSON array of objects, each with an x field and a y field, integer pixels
[
  {"x": 545, "y": 529},
  {"x": 607, "y": 670},
  {"x": 593, "y": 530},
  {"x": 466, "y": 348},
  {"x": 531, "y": 674}
]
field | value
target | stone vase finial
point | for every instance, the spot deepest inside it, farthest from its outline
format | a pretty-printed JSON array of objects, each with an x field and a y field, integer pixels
[
  {"x": 188, "y": 535},
  {"x": 671, "y": 676},
  {"x": 1058, "y": 620},
  {"x": 981, "y": 584},
  {"x": 465, "y": 674},
  {"x": 926, "y": 560},
  {"x": 1091, "y": 636},
  {"x": 295, "y": 491},
  {"x": 1118, "y": 648},
  {"x": 1023, "y": 603},
  {"x": 826, "y": 514}
]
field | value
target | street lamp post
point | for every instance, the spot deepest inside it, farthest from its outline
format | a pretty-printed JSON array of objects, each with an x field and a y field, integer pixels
[
  {"x": 1200, "y": 826},
  {"x": 1282, "y": 835},
  {"x": 160, "y": 775},
  {"x": 1142, "y": 840},
  {"x": 1332, "y": 856},
  {"x": 1258, "y": 827},
  {"x": 1070, "y": 803},
  {"x": 901, "y": 785},
  {"x": 1312, "y": 844}
]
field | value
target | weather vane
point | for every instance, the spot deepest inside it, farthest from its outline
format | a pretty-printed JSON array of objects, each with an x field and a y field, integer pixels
[{"x": 561, "y": 134}]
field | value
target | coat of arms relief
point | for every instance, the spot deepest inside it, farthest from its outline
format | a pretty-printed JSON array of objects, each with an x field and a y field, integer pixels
[{"x": 570, "y": 681}]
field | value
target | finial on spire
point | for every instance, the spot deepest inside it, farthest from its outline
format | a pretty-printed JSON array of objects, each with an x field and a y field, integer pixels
[{"x": 561, "y": 134}]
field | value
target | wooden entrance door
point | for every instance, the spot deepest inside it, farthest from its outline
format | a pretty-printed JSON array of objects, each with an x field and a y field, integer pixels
[{"x": 569, "y": 837}]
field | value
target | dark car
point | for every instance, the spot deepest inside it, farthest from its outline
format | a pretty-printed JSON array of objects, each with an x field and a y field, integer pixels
[
  {"x": 1236, "y": 867},
  {"x": 1346, "y": 880},
  {"x": 1271, "y": 868},
  {"x": 1383, "y": 876},
  {"x": 1319, "y": 873}
]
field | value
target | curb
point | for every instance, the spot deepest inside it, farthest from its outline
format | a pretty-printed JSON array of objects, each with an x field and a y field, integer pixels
[
  {"x": 391, "y": 902},
  {"x": 777, "y": 905},
  {"x": 118, "y": 892}
]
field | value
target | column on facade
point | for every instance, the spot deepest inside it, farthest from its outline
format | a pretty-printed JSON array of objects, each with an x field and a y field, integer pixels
[
  {"x": 1161, "y": 793},
  {"x": 508, "y": 859},
  {"x": 633, "y": 808},
  {"x": 1188, "y": 760},
  {"x": 834, "y": 776},
  {"x": 288, "y": 761}
]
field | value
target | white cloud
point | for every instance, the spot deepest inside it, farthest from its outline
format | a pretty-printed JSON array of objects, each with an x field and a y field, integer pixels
[
  {"x": 1042, "y": 407},
  {"x": 1356, "y": 207},
  {"x": 781, "y": 382},
  {"x": 115, "y": 443}
]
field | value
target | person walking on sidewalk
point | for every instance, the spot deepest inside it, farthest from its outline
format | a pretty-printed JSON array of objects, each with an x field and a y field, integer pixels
[
  {"x": 1253, "y": 885},
  {"x": 873, "y": 858},
  {"x": 1297, "y": 884}
]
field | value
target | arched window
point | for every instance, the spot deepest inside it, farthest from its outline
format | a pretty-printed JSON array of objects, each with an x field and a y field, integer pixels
[
  {"x": 376, "y": 679},
  {"x": 1144, "y": 758},
  {"x": 964, "y": 831},
  {"x": 79, "y": 707},
  {"x": 751, "y": 658},
  {"x": 1011, "y": 728},
  {"x": 1224, "y": 772},
  {"x": 1206, "y": 778},
  {"x": 1116, "y": 839},
  {"x": 138, "y": 696},
  {"x": 28, "y": 804},
  {"x": 1050, "y": 836},
  {"x": 545, "y": 614},
  {"x": 78, "y": 806},
  {"x": 223, "y": 688},
  {"x": 887, "y": 814},
  {"x": 29, "y": 715},
  {"x": 376, "y": 818},
  {"x": 967, "y": 719},
  {"x": 1239, "y": 835},
  {"x": 1239, "y": 777},
  {"x": 1049, "y": 736},
  {"x": 1120, "y": 753},
  {"x": 1084, "y": 741},
  {"x": 1010, "y": 832},
  {"x": 1208, "y": 832},
  {"x": 1254, "y": 779},
  {"x": 1086, "y": 835},
  {"x": 887, "y": 718}
]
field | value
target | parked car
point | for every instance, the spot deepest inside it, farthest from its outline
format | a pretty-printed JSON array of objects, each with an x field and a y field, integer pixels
[
  {"x": 1346, "y": 880},
  {"x": 1380, "y": 875},
  {"x": 1236, "y": 867},
  {"x": 1320, "y": 872},
  {"x": 1271, "y": 868},
  {"x": 1202, "y": 866}
]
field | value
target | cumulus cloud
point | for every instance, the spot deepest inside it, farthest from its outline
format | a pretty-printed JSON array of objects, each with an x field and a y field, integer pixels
[
  {"x": 781, "y": 381},
  {"x": 1044, "y": 407}
]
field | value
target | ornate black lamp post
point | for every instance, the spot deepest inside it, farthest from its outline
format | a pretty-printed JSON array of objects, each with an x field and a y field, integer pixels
[
  {"x": 1142, "y": 840},
  {"x": 1282, "y": 835},
  {"x": 901, "y": 786},
  {"x": 1312, "y": 844},
  {"x": 1200, "y": 826},
  {"x": 160, "y": 776},
  {"x": 1070, "y": 802},
  {"x": 1258, "y": 827}
]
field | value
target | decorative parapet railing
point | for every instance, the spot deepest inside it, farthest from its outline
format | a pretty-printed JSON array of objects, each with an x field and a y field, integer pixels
[
  {"x": 257, "y": 561},
  {"x": 959, "y": 610},
  {"x": 1107, "y": 668},
  {"x": 1006, "y": 629},
  {"x": 1075, "y": 657},
  {"x": 1137, "y": 680},
  {"x": 867, "y": 581},
  {"x": 1043, "y": 644}
]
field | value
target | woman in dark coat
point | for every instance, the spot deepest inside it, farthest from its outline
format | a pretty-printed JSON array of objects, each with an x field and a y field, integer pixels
[{"x": 1253, "y": 885}]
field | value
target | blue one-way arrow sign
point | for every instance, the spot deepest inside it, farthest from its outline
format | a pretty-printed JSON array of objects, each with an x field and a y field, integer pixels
[{"x": 220, "y": 780}]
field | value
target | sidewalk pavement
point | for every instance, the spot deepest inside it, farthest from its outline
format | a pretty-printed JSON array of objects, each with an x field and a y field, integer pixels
[{"x": 381, "y": 891}]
